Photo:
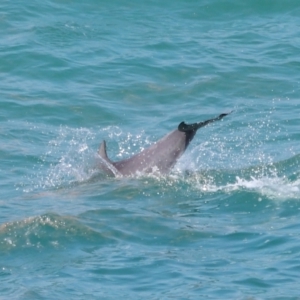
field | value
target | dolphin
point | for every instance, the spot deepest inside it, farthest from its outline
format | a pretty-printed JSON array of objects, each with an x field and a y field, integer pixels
[{"x": 160, "y": 157}]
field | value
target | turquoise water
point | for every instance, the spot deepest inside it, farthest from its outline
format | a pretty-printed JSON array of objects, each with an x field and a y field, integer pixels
[{"x": 224, "y": 224}]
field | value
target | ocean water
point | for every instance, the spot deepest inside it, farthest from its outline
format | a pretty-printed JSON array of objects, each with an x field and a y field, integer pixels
[{"x": 224, "y": 224}]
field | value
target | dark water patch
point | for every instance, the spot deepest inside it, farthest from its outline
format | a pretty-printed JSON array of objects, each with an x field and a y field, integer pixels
[{"x": 144, "y": 227}]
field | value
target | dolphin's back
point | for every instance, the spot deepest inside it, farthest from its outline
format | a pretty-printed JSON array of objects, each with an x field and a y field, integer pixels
[{"x": 160, "y": 157}]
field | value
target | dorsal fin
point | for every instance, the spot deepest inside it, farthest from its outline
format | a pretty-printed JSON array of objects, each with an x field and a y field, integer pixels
[
  {"x": 102, "y": 151},
  {"x": 108, "y": 164}
]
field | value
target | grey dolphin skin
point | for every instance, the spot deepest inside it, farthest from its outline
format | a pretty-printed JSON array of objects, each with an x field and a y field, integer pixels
[{"x": 159, "y": 157}]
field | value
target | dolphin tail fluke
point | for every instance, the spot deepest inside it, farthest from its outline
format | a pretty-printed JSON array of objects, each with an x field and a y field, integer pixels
[{"x": 194, "y": 127}]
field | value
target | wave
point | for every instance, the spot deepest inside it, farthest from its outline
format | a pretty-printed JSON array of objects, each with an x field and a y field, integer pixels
[{"x": 47, "y": 231}]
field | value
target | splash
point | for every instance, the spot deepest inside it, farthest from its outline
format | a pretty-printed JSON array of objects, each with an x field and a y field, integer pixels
[
  {"x": 68, "y": 159},
  {"x": 71, "y": 156}
]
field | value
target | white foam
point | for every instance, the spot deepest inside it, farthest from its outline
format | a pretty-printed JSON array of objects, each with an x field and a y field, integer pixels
[
  {"x": 280, "y": 188},
  {"x": 272, "y": 187}
]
